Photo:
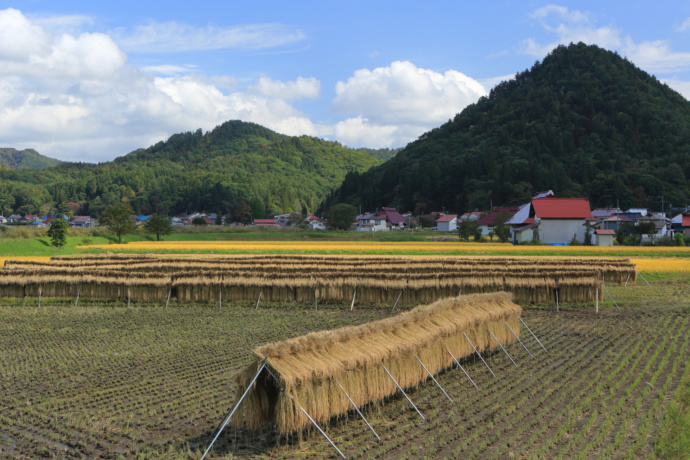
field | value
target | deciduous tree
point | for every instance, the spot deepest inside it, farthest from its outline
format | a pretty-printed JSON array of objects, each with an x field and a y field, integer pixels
[{"x": 118, "y": 219}]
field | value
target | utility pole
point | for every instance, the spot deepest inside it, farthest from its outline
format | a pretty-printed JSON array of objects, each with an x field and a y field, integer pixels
[{"x": 663, "y": 210}]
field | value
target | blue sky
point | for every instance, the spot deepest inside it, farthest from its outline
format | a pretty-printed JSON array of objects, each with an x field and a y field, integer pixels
[{"x": 90, "y": 81}]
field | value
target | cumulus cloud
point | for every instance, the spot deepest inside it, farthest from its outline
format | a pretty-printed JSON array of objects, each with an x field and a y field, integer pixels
[
  {"x": 302, "y": 88},
  {"x": 573, "y": 26},
  {"x": 684, "y": 26},
  {"x": 401, "y": 96},
  {"x": 569, "y": 26},
  {"x": 76, "y": 98},
  {"x": 167, "y": 37}
]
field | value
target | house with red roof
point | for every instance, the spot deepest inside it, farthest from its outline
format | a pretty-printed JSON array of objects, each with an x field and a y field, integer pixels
[
  {"x": 560, "y": 220},
  {"x": 486, "y": 223},
  {"x": 447, "y": 223},
  {"x": 265, "y": 223},
  {"x": 681, "y": 223},
  {"x": 604, "y": 237}
]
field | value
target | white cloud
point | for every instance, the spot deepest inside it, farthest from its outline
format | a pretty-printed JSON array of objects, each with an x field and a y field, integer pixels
[
  {"x": 656, "y": 56},
  {"x": 684, "y": 26},
  {"x": 168, "y": 37},
  {"x": 401, "y": 95},
  {"x": 358, "y": 132},
  {"x": 683, "y": 87},
  {"x": 302, "y": 88},
  {"x": 569, "y": 26},
  {"x": 77, "y": 99}
]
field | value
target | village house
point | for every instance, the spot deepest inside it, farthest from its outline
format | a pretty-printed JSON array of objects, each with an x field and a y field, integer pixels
[
  {"x": 603, "y": 237},
  {"x": 489, "y": 221},
  {"x": 371, "y": 222},
  {"x": 560, "y": 220},
  {"x": 447, "y": 223},
  {"x": 265, "y": 223},
  {"x": 681, "y": 224},
  {"x": 81, "y": 221},
  {"x": 315, "y": 223}
]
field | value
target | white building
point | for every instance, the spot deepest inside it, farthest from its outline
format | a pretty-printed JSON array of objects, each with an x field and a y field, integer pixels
[
  {"x": 447, "y": 223},
  {"x": 561, "y": 219}
]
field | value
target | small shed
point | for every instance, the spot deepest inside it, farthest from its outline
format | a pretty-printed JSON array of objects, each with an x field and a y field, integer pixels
[
  {"x": 604, "y": 237},
  {"x": 447, "y": 223}
]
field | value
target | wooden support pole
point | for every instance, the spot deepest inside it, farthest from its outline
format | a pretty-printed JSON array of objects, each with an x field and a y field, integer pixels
[
  {"x": 40, "y": 291},
  {"x": 479, "y": 354},
  {"x": 627, "y": 279},
  {"x": 557, "y": 308},
  {"x": 232, "y": 412},
  {"x": 596, "y": 299},
  {"x": 396, "y": 300},
  {"x": 611, "y": 297},
  {"x": 530, "y": 331},
  {"x": 352, "y": 305},
  {"x": 316, "y": 300},
  {"x": 220, "y": 296},
  {"x": 504, "y": 350},
  {"x": 358, "y": 411},
  {"x": 432, "y": 378},
  {"x": 518, "y": 339},
  {"x": 261, "y": 292},
  {"x": 402, "y": 391},
  {"x": 129, "y": 298},
  {"x": 168, "y": 301},
  {"x": 462, "y": 368},
  {"x": 644, "y": 279},
  {"x": 318, "y": 428}
]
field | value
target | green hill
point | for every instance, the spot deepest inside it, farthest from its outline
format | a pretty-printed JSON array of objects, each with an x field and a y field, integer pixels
[
  {"x": 583, "y": 122},
  {"x": 25, "y": 159},
  {"x": 236, "y": 162}
]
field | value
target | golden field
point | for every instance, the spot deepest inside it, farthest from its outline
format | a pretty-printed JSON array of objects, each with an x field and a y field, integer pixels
[
  {"x": 378, "y": 247},
  {"x": 30, "y": 258}
]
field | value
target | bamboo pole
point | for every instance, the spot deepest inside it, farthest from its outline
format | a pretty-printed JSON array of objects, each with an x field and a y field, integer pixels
[
  {"x": 232, "y": 412},
  {"x": 358, "y": 411},
  {"x": 645, "y": 279},
  {"x": 77, "y": 301},
  {"x": 352, "y": 306},
  {"x": 402, "y": 391},
  {"x": 432, "y": 378},
  {"x": 478, "y": 354},
  {"x": 611, "y": 297},
  {"x": 168, "y": 301},
  {"x": 396, "y": 300},
  {"x": 258, "y": 299},
  {"x": 504, "y": 350},
  {"x": 596, "y": 296},
  {"x": 220, "y": 296},
  {"x": 518, "y": 339},
  {"x": 463, "y": 369},
  {"x": 530, "y": 331},
  {"x": 317, "y": 427},
  {"x": 40, "y": 291}
]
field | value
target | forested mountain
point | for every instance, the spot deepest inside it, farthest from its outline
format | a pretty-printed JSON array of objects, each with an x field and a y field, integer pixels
[
  {"x": 234, "y": 163},
  {"x": 583, "y": 122},
  {"x": 25, "y": 159}
]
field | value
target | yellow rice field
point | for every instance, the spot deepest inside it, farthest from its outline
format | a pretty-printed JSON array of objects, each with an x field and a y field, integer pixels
[
  {"x": 378, "y": 246},
  {"x": 30, "y": 258},
  {"x": 662, "y": 265}
]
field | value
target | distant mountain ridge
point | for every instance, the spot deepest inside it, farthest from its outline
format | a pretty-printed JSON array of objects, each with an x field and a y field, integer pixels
[
  {"x": 583, "y": 122},
  {"x": 25, "y": 159},
  {"x": 237, "y": 162}
]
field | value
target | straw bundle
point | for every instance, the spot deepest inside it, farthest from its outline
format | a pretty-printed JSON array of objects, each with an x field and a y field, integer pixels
[{"x": 309, "y": 368}]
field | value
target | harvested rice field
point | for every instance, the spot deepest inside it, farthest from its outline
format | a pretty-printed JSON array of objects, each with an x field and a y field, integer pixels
[{"x": 101, "y": 380}]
